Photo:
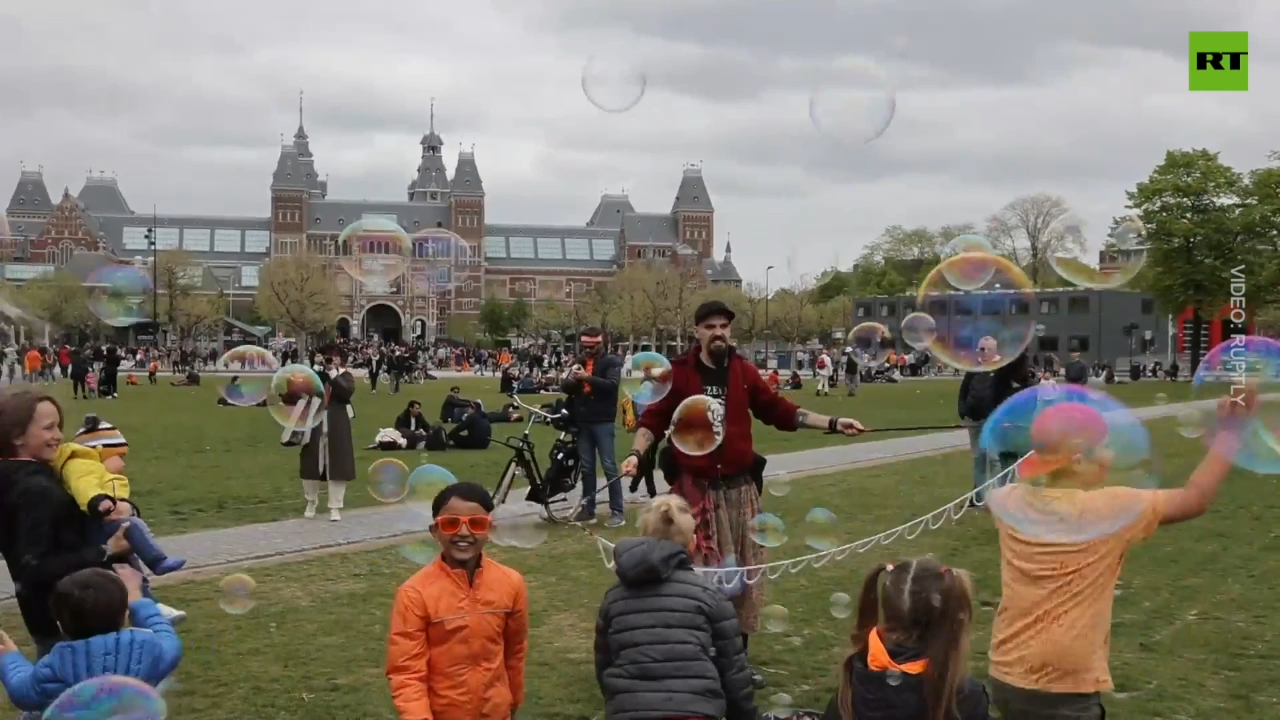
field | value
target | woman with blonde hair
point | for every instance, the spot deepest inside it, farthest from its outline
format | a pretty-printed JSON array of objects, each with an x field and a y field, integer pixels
[{"x": 667, "y": 640}]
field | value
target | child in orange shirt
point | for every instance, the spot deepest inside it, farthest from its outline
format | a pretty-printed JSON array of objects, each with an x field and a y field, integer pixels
[
  {"x": 1050, "y": 639},
  {"x": 459, "y": 626}
]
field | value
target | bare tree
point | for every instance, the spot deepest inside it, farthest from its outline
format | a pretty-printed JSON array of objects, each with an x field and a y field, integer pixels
[{"x": 1033, "y": 228}]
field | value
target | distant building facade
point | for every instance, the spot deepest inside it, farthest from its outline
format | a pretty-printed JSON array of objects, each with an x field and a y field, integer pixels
[{"x": 508, "y": 261}]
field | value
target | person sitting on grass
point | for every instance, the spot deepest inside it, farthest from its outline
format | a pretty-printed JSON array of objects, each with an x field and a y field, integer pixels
[
  {"x": 460, "y": 626},
  {"x": 1049, "y": 641},
  {"x": 667, "y": 641},
  {"x": 453, "y": 407},
  {"x": 473, "y": 431},
  {"x": 94, "y": 608},
  {"x": 910, "y": 641}
]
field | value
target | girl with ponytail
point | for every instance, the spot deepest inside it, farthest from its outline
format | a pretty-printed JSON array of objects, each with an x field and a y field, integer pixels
[{"x": 909, "y": 647}]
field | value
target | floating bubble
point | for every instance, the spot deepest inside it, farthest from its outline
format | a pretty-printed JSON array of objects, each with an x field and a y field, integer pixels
[
  {"x": 775, "y": 618},
  {"x": 778, "y": 485},
  {"x": 375, "y": 251},
  {"x": 1130, "y": 234},
  {"x": 117, "y": 292},
  {"x": 999, "y": 310},
  {"x": 519, "y": 524},
  {"x": 969, "y": 243},
  {"x": 109, "y": 697},
  {"x": 768, "y": 530},
  {"x": 426, "y": 481},
  {"x": 733, "y": 581},
  {"x": 857, "y": 110},
  {"x": 1227, "y": 371},
  {"x": 919, "y": 330},
  {"x": 420, "y": 552},
  {"x": 650, "y": 379},
  {"x": 969, "y": 275},
  {"x": 820, "y": 530},
  {"x": 441, "y": 247},
  {"x": 1082, "y": 459},
  {"x": 292, "y": 395},
  {"x": 388, "y": 480},
  {"x": 613, "y": 84},
  {"x": 1040, "y": 330},
  {"x": 1123, "y": 256},
  {"x": 237, "y": 594},
  {"x": 246, "y": 376},
  {"x": 872, "y": 338},
  {"x": 1161, "y": 399},
  {"x": 697, "y": 425},
  {"x": 893, "y": 676},
  {"x": 780, "y": 705},
  {"x": 841, "y": 605}
]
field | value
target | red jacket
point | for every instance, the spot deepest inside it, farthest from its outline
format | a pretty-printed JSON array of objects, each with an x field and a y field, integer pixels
[{"x": 748, "y": 395}]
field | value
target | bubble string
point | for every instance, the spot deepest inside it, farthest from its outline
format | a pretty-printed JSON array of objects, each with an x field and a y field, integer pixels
[{"x": 751, "y": 574}]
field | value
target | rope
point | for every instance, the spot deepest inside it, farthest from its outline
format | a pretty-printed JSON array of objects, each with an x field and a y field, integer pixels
[{"x": 751, "y": 574}]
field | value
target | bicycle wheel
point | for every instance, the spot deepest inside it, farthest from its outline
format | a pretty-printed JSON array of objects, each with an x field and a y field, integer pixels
[{"x": 506, "y": 480}]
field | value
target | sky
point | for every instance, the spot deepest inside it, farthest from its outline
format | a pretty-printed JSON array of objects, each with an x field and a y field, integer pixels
[{"x": 185, "y": 103}]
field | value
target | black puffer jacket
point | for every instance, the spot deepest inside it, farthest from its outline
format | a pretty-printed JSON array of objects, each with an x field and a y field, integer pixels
[
  {"x": 876, "y": 698},
  {"x": 667, "y": 641},
  {"x": 982, "y": 392}
]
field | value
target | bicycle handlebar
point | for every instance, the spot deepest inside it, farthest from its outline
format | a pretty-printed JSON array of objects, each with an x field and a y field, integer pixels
[{"x": 537, "y": 411}]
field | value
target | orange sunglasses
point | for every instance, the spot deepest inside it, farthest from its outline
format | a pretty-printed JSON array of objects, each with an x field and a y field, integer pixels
[{"x": 452, "y": 524}]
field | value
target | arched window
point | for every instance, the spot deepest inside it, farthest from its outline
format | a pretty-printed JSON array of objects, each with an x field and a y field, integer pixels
[{"x": 65, "y": 251}]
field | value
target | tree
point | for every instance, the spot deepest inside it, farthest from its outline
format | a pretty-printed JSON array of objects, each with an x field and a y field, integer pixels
[
  {"x": 900, "y": 243},
  {"x": 749, "y": 325},
  {"x": 297, "y": 291},
  {"x": 549, "y": 321},
  {"x": 176, "y": 278},
  {"x": 461, "y": 328},
  {"x": 602, "y": 307},
  {"x": 630, "y": 287},
  {"x": 193, "y": 314},
  {"x": 1260, "y": 218},
  {"x": 519, "y": 315},
  {"x": 1033, "y": 228},
  {"x": 793, "y": 315},
  {"x": 1191, "y": 206},
  {"x": 494, "y": 322},
  {"x": 57, "y": 299}
]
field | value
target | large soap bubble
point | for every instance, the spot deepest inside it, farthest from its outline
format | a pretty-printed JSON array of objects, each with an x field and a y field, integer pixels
[
  {"x": 245, "y": 375},
  {"x": 613, "y": 84},
  {"x": 998, "y": 310},
  {"x": 292, "y": 398},
  {"x": 376, "y": 251},
  {"x": 117, "y": 292},
  {"x": 856, "y": 110},
  {"x": 649, "y": 378},
  {"x": 1226, "y": 372},
  {"x": 108, "y": 697},
  {"x": 1123, "y": 256},
  {"x": 1083, "y": 460}
]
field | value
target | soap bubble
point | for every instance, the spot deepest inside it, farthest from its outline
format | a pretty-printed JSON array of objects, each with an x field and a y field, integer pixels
[
  {"x": 778, "y": 485},
  {"x": 919, "y": 330},
  {"x": 650, "y": 379},
  {"x": 1123, "y": 256},
  {"x": 519, "y": 524},
  {"x": 108, "y": 697},
  {"x": 613, "y": 84},
  {"x": 426, "y": 481},
  {"x": 291, "y": 395},
  {"x": 968, "y": 243},
  {"x": 1000, "y": 309},
  {"x": 237, "y": 594},
  {"x": 820, "y": 530},
  {"x": 857, "y": 110},
  {"x": 732, "y": 582},
  {"x": 893, "y": 676},
  {"x": 420, "y": 552},
  {"x": 775, "y": 618},
  {"x": 1084, "y": 459},
  {"x": 841, "y": 605},
  {"x": 697, "y": 425},
  {"x": 768, "y": 530},
  {"x": 379, "y": 251},
  {"x": 1130, "y": 234},
  {"x": 780, "y": 705},
  {"x": 1040, "y": 330},
  {"x": 872, "y": 338},
  {"x": 254, "y": 368},
  {"x": 1161, "y": 399},
  {"x": 1226, "y": 372},
  {"x": 388, "y": 480},
  {"x": 117, "y": 292},
  {"x": 968, "y": 275}
]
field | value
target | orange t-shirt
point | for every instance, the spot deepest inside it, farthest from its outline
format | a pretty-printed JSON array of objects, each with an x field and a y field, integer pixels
[
  {"x": 1052, "y": 631},
  {"x": 34, "y": 360},
  {"x": 456, "y": 649},
  {"x": 588, "y": 367}
]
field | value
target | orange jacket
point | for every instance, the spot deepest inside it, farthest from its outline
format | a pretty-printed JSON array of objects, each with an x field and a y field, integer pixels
[
  {"x": 34, "y": 360},
  {"x": 456, "y": 649}
]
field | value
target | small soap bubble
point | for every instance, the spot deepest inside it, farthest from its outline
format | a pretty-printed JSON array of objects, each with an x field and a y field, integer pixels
[
  {"x": 519, "y": 524},
  {"x": 733, "y": 581},
  {"x": 820, "y": 530},
  {"x": 292, "y": 397},
  {"x": 919, "y": 330},
  {"x": 768, "y": 530},
  {"x": 1162, "y": 399},
  {"x": 1192, "y": 423},
  {"x": 420, "y": 552},
  {"x": 778, "y": 485},
  {"x": 841, "y": 605},
  {"x": 775, "y": 618},
  {"x": 872, "y": 338},
  {"x": 1040, "y": 330},
  {"x": 388, "y": 480},
  {"x": 780, "y": 705},
  {"x": 613, "y": 84},
  {"x": 237, "y": 594},
  {"x": 108, "y": 697},
  {"x": 378, "y": 251},
  {"x": 650, "y": 378},
  {"x": 426, "y": 481}
]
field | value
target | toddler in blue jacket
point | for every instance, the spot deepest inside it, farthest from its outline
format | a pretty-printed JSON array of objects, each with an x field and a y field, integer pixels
[{"x": 93, "y": 607}]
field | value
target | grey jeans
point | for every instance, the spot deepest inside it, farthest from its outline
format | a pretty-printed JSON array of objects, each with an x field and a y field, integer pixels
[
  {"x": 1017, "y": 703},
  {"x": 979, "y": 457}
]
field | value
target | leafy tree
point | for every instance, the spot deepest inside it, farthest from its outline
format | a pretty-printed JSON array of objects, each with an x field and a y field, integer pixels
[
  {"x": 193, "y": 314},
  {"x": 1191, "y": 206},
  {"x": 461, "y": 328},
  {"x": 1033, "y": 228},
  {"x": 1260, "y": 218},
  {"x": 900, "y": 243},
  {"x": 519, "y": 315},
  {"x": 58, "y": 300},
  {"x": 297, "y": 292},
  {"x": 631, "y": 288},
  {"x": 178, "y": 275},
  {"x": 793, "y": 316},
  {"x": 494, "y": 323}
]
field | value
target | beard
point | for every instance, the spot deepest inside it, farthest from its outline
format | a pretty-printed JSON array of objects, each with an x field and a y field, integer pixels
[{"x": 718, "y": 350}]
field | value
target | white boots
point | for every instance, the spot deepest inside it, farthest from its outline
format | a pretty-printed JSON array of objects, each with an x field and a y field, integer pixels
[{"x": 311, "y": 492}]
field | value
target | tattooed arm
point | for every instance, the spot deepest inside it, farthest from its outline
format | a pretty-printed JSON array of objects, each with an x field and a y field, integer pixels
[
  {"x": 644, "y": 439},
  {"x": 811, "y": 420}
]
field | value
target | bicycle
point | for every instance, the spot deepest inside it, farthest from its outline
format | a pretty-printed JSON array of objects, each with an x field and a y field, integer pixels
[{"x": 552, "y": 493}]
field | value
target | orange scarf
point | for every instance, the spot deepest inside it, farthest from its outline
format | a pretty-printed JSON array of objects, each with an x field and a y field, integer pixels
[
  {"x": 588, "y": 367},
  {"x": 878, "y": 658}
]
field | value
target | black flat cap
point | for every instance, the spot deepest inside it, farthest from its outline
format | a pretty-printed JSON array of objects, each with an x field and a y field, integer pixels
[{"x": 710, "y": 309}]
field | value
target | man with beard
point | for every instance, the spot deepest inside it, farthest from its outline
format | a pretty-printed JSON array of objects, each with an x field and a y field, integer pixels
[{"x": 723, "y": 487}]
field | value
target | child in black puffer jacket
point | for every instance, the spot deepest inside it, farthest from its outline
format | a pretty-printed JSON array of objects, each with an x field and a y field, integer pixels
[{"x": 667, "y": 639}]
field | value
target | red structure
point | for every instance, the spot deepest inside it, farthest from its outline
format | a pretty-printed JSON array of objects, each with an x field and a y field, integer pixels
[{"x": 1215, "y": 329}]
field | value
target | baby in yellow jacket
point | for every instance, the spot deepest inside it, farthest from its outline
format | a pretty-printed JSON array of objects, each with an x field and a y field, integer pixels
[{"x": 90, "y": 469}]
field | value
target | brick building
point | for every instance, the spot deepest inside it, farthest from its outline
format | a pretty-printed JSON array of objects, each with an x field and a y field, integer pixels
[{"x": 538, "y": 263}]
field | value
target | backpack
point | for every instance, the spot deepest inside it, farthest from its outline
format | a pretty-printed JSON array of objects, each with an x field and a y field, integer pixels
[
  {"x": 822, "y": 362},
  {"x": 437, "y": 439}
]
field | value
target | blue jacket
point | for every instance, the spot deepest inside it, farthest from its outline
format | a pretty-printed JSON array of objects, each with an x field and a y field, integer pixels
[{"x": 148, "y": 651}]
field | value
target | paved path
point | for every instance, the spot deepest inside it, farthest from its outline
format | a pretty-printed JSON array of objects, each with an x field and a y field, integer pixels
[{"x": 213, "y": 548}]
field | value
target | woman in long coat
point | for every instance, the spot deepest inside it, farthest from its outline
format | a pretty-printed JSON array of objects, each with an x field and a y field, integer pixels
[{"x": 329, "y": 455}]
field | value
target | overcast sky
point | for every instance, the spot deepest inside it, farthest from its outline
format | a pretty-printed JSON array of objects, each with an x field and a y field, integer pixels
[{"x": 186, "y": 102}]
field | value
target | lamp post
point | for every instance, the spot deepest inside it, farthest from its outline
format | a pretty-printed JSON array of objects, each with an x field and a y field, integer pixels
[
  {"x": 766, "y": 316},
  {"x": 155, "y": 302}
]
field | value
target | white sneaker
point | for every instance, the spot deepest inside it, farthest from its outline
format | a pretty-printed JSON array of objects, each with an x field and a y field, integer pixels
[
  {"x": 310, "y": 512},
  {"x": 172, "y": 614},
  {"x": 334, "y": 515}
]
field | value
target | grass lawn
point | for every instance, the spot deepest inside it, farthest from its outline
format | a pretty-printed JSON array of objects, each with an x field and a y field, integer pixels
[
  {"x": 1195, "y": 632},
  {"x": 196, "y": 465}
]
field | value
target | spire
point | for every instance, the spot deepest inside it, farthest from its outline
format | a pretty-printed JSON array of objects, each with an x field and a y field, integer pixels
[
  {"x": 301, "y": 134},
  {"x": 728, "y": 248},
  {"x": 432, "y": 142}
]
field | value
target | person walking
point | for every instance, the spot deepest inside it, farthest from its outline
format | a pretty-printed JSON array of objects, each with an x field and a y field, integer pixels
[
  {"x": 723, "y": 486},
  {"x": 329, "y": 456},
  {"x": 592, "y": 387}
]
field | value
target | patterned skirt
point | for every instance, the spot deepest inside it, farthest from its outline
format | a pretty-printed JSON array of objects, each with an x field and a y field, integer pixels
[{"x": 724, "y": 518}]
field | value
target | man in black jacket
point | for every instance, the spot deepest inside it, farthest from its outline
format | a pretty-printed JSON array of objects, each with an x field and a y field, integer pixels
[
  {"x": 592, "y": 387},
  {"x": 981, "y": 392},
  {"x": 454, "y": 407}
]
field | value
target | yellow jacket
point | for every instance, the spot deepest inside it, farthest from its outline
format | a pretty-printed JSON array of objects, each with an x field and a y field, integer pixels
[{"x": 86, "y": 478}]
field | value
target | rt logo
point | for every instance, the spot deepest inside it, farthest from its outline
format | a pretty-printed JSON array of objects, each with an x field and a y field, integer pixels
[{"x": 1219, "y": 62}]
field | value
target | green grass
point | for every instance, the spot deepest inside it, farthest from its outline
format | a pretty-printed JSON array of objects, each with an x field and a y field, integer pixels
[
  {"x": 195, "y": 465},
  {"x": 1195, "y": 633}
]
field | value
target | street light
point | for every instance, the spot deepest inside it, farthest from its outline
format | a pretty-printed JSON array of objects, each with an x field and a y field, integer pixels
[
  {"x": 766, "y": 316},
  {"x": 155, "y": 302}
]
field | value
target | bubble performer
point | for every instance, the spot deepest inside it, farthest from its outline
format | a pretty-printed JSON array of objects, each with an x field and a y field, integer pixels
[
  {"x": 723, "y": 487},
  {"x": 329, "y": 455}
]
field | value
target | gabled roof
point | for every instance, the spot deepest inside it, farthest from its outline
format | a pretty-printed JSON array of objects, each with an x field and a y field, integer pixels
[
  {"x": 692, "y": 195},
  {"x": 101, "y": 196},
  {"x": 30, "y": 194},
  {"x": 466, "y": 176},
  {"x": 289, "y": 174}
]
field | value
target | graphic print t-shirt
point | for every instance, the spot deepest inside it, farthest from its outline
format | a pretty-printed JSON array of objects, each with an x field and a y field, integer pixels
[{"x": 715, "y": 381}]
